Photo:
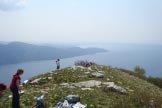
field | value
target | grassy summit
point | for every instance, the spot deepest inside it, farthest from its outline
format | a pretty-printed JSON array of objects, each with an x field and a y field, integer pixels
[{"x": 60, "y": 83}]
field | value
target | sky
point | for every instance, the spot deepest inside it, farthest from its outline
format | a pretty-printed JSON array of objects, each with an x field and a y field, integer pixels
[{"x": 84, "y": 21}]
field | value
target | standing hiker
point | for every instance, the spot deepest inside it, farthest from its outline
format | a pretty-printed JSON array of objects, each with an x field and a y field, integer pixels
[
  {"x": 15, "y": 88},
  {"x": 58, "y": 64}
]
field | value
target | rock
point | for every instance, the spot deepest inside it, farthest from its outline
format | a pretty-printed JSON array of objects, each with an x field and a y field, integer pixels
[
  {"x": 113, "y": 87},
  {"x": 87, "y": 89},
  {"x": 75, "y": 67},
  {"x": 120, "y": 89},
  {"x": 98, "y": 75},
  {"x": 116, "y": 88},
  {"x": 10, "y": 96},
  {"x": 64, "y": 84},
  {"x": 108, "y": 83},
  {"x": 49, "y": 78},
  {"x": 89, "y": 68},
  {"x": 90, "y": 83},
  {"x": 108, "y": 79},
  {"x": 86, "y": 72},
  {"x": 86, "y": 84},
  {"x": 67, "y": 85},
  {"x": 36, "y": 81}
]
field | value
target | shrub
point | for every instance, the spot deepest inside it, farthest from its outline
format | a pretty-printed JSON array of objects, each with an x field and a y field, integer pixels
[
  {"x": 83, "y": 63},
  {"x": 140, "y": 72}
]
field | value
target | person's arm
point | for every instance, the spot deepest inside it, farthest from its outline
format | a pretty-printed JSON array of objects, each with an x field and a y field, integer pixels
[{"x": 18, "y": 85}]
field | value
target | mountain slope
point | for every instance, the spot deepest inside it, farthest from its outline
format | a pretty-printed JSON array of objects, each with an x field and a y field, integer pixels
[
  {"x": 75, "y": 81},
  {"x": 16, "y": 52}
]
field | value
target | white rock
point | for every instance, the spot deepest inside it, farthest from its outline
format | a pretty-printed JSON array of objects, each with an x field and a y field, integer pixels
[
  {"x": 116, "y": 88},
  {"x": 35, "y": 81},
  {"x": 90, "y": 83},
  {"x": 86, "y": 72},
  {"x": 87, "y": 89},
  {"x": 108, "y": 83},
  {"x": 98, "y": 75},
  {"x": 108, "y": 79},
  {"x": 49, "y": 78},
  {"x": 10, "y": 96}
]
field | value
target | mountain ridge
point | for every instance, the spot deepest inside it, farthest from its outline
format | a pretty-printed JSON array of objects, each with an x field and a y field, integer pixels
[{"x": 17, "y": 52}]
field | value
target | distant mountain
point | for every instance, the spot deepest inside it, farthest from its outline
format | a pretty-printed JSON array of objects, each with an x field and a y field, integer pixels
[
  {"x": 3, "y": 42},
  {"x": 17, "y": 52}
]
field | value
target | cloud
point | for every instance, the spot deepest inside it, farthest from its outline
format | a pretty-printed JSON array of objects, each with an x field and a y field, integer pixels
[{"x": 9, "y": 5}]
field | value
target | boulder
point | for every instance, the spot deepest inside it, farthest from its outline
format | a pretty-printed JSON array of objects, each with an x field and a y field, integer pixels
[
  {"x": 67, "y": 85},
  {"x": 116, "y": 88},
  {"x": 36, "y": 81},
  {"x": 90, "y": 83},
  {"x": 113, "y": 87},
  {"x": 98, "y": 75}
]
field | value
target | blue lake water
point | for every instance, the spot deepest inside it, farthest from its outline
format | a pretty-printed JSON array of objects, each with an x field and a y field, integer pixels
[{"x": 121, "y": 56}]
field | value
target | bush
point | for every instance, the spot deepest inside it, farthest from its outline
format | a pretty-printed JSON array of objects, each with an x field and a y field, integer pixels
[
  {"x": 140, "y": 72},
  {"x": 156, "y": 81},
  {"x": 83, "y": 63}
]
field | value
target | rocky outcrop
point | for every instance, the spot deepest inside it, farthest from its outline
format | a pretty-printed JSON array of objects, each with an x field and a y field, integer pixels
[
  {"x": 90, "y": 83},
  {"x": 86, "y": 85},
  {"x": 113, "y": 87},
  {"x": 98, "y": 75}
]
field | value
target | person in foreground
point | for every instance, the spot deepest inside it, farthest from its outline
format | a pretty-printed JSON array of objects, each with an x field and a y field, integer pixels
[
  {"x": 15, "y": 88},
  {"x": 40, "y": 103},
  {"x": 2, "y": 88}
]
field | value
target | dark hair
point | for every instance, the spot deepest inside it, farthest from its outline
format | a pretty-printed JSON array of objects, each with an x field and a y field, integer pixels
[
  {"x": 2, "y": 87},
  {"x": 20, "y": 71}
]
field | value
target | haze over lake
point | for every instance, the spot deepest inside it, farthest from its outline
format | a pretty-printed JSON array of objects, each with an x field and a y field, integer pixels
[{"x": 125, "y": 56}]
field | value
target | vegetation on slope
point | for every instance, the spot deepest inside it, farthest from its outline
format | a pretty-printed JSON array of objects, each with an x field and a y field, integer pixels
[{"x": 140, "y": 93}]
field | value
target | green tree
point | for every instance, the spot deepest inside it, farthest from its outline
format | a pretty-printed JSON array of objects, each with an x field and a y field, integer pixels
[{"x": 140, "y": 72}]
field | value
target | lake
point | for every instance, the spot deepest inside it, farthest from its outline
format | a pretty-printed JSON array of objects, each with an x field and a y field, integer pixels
[{"x": 126, "y": 56}]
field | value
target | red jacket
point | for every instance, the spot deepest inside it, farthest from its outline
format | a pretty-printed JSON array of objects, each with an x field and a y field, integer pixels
[{"x": 14, "y": 79}]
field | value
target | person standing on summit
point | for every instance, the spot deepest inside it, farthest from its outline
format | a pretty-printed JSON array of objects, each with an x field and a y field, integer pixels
[
  {"x": 58, "y": 64},
  {"x": 15, "y": 88}
]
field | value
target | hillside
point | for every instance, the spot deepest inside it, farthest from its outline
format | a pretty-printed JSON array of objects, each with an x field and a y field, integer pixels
[
  {"x": 17, "y": 52},
  {"x": 98, "y": 87}
]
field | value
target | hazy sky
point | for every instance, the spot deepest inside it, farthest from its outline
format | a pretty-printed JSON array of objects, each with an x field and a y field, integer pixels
[{"x": 101, "y": 21}]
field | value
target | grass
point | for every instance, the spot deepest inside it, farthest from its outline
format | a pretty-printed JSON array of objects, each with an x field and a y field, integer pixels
[{"x": 141, "y": 94}]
